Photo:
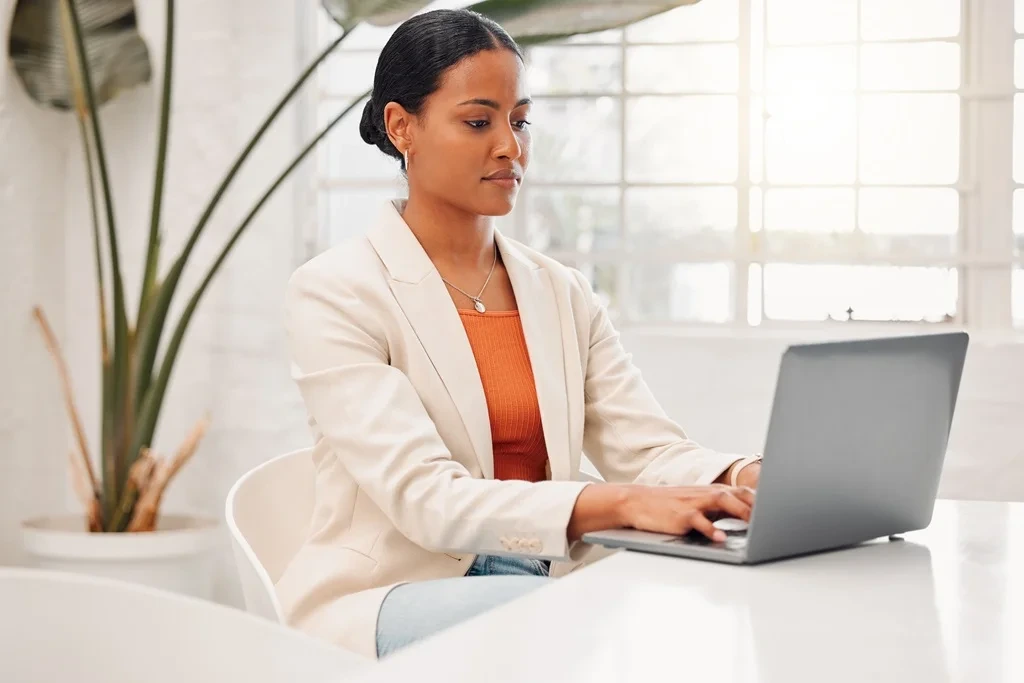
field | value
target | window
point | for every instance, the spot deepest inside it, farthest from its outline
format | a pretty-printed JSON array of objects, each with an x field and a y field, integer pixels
[
  {"x": 757, "y": 162},
  {"x": 1018, "y": 165}
]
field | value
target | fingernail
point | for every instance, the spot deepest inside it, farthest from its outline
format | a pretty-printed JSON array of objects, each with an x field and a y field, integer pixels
[{"x": 720, "y": 536}]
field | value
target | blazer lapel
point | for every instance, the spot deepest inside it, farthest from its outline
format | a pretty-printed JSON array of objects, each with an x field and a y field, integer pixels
[
  {"x": 542, "y": 327},
  {"x": 425, "y": 301}
]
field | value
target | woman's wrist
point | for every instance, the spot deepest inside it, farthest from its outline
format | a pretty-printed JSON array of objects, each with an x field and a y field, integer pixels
[
  {"x": 598, "y": 507},
  {"x": 734, "y": 474}
]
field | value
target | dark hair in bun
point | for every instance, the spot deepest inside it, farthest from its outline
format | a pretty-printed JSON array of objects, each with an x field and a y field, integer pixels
[{"x": 412, "y": 62}]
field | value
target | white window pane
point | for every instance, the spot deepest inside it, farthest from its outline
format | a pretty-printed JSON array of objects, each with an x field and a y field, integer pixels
[
  {"x": 718, "y": 20},
  {"x": 1018, "y": 15},
  {"x": 683, "y": 68},
  {"x": 1018, "y": 137},
  {"x": 348, "y": 73},
  {"x": 910, "y": 139},
  {"x": 810, "y": 139},
  {"x": 682, "y": 139},
  {"x": 347, "y": 213},
  {"x": 876, "y": 293},
  {"x": 911, "y": 221},
  {"x": 703, "y": 218},
  {"x": 755, "y": 215},
  {"x": 1018, "y": 220},
  {"x": 909, "y": 211},
  {"x": 576, "y": 140},
  {"x": 1018, "y": 297},
  {"x": 811, "y": 21},
  {"x": 661, "y": 292},
  {"x": 896, "y": 19},
  {"x": 1018, "y": 63},
  {"x": 758, "y": 116},
  {"x": 604, "y": 280},
  {"x": 910, "y": 66},
  {"x": 811, "y": 69},
  {"x": 344, "y": 155},
  {"x": 572, "y": 219},
  {"x": 554, "y": 70},
  {"x": 821, "y": 211},
  {"x": 754, "y": 289}
]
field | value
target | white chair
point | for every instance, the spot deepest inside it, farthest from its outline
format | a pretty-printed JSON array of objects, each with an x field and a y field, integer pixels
[
  {"x": 57, "y": 626},
  {"x": 268, "y": 512}
]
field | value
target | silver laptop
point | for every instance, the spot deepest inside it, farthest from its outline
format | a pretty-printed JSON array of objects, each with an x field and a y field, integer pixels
[{"x": 854, "y": 450}]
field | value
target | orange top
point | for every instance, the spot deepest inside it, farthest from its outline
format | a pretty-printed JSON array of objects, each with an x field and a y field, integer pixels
[{"x": 499, "y": 347}]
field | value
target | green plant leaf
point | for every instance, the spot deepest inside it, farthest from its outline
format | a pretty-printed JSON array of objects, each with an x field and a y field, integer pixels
[
  {"x": 109, "y": 497},
  {"x": 348, "y": 13},
  {"x": 81, "y": 108},
  {"x": 153, "y": 245},
  {"x": 538, "y": 21},
  {"x": 117, "y": 56},
  {"x": 121, "y": 402},
  {"x": 152, "y": 326},
  {"x": 150, "y": 413}
]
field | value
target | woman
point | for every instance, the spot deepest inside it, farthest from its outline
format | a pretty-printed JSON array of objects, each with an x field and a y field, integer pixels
[{"x": 453, "y": 376}]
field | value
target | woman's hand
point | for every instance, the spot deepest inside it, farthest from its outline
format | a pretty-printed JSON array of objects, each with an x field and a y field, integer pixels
[
  {"x": 680, "y": 509},
  {"x": 661, "y": 509}
]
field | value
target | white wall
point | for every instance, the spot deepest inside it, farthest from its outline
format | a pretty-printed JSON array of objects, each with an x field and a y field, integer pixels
[
  {"x": 234, "y": 59},
  {"x": 32, "y": 161}
]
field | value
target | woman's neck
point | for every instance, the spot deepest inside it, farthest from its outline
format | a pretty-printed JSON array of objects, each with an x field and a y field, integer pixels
[{"x": 451, "y": 237}]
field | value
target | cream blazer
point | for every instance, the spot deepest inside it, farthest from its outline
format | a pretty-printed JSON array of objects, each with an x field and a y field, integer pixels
[{"x": 404, "y": 471}]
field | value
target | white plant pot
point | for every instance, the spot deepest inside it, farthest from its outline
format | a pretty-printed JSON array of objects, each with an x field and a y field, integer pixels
[{"x": 175, "y": 557}]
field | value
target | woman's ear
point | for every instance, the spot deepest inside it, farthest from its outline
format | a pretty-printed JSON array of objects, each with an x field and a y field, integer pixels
[{"x": 398, "y": 125}]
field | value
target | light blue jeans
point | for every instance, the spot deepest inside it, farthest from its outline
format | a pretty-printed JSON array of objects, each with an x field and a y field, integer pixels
[{"x": 414, "y": 611}]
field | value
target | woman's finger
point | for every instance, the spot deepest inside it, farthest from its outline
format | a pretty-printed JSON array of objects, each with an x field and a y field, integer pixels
[
  {"x": 747, "y": 495},
  {"x": 728, "y": 503},
  {"x": 698, "y": 522}
]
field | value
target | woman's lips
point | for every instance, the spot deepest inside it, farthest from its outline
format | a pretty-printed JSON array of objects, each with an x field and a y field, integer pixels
[{"x": 507, "y": 183}]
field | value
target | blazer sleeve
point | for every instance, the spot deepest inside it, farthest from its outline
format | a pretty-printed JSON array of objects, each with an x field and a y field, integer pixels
[
  {"x": 626, "y": 433},
  {"x": 376, "y": 425}
]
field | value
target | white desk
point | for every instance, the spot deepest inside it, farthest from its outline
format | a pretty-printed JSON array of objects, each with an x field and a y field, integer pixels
[{"x": 947, "y": 604}]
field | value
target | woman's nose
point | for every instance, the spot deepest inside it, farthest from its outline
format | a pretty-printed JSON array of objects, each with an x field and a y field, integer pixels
[{"x": 509, "y": 147}]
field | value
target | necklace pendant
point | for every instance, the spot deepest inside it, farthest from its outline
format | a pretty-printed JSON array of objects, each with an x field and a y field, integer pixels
[{"x": 479, "y": 306}]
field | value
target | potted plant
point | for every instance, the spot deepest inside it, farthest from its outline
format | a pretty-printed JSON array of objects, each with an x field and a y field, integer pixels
[{"x": 77, "y": 55}]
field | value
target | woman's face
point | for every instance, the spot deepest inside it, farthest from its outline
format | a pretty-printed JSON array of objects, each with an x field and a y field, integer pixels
[{"x": 470, "y": 146}]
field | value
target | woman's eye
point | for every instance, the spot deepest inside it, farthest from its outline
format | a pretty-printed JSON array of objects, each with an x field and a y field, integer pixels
[
  {"x": 522, "y": 125},
  {"x": 476, "y": 124}
]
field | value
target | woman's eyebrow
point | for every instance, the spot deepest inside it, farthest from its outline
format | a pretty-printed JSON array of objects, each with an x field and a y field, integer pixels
[{"x": 494, "y": 105}]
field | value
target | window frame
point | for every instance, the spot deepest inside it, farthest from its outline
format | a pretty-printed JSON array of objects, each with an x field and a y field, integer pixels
[{"x": 985, "y": 257}]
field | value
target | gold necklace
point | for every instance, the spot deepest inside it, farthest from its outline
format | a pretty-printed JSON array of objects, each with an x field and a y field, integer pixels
[{"x": 477, "y": 303}]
